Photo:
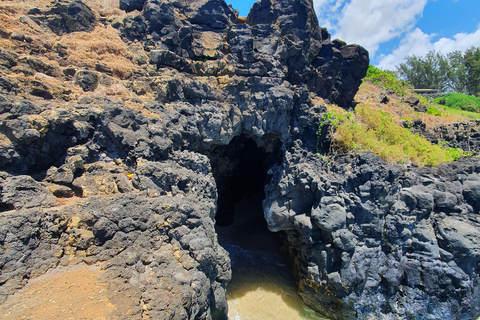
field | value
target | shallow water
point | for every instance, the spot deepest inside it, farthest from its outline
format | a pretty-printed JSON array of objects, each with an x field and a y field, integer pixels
[{"x": 262, "y": 287}]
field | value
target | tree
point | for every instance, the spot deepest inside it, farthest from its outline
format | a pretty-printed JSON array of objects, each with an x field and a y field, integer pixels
[
  {"x": 472, "y": 65},
  {"x": 430, "y": 72},
  {"x": 457, "y": 73}
]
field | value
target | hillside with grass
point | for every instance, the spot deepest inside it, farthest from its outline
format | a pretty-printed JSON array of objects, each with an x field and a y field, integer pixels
[{"x": 386, "y": 115}]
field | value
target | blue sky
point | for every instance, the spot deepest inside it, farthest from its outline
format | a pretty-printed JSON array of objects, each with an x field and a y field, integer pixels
[{"x": 393, "y": 29}]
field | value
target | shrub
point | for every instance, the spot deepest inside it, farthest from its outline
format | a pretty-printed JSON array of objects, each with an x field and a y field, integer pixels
[
  {"x": 387, "y": 80},
  {"x": 460, "y": 101}
]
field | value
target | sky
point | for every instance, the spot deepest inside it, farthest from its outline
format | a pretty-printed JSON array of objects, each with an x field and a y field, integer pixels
[{"x": 391, "y": 30}]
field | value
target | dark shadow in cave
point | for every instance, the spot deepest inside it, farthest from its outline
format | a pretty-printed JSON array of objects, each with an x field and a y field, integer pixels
[{"x": 240, "y": 170}]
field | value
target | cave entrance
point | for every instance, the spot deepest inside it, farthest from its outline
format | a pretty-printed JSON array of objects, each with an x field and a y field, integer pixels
[{"x": 240, "y": 171}]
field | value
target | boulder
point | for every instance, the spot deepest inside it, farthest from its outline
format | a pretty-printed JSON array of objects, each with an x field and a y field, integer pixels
[
  {"x": 67, "y": 17},
  {"x": 132, "y": 5},
  {"x": 87, "y": 80}
]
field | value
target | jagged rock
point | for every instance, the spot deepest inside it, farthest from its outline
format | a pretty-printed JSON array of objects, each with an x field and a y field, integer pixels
[
  {"x": 131, "y": 5},
  {"x": 211, "y": 14},
  {"x": 168, "y": 244},
  {"x": 39, "y": 66},
  {"x": 277, "y": 33},
  {"x": 367, "y": 239},
  {"x": 463, "y": 135},
  {"x": 8, "y": 84},
  {"x": 134, "y": 27},
  {"x": 66, "y": 17},
  {"x": 101, "y": 178},
  {"x": 8, "y": 59},
  {"x": 60, "y": 191},
  {"x": 87, "y": 80},
  {"x": 18, "y": 192},
  {"x": 418, "y": 230},
  {"x": 414, "y": 102}
]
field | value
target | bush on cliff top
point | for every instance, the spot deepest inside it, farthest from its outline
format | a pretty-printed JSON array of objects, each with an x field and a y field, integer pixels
[
  {"x": 387, "y": 80},
  {"x": 373, "y": 130}
]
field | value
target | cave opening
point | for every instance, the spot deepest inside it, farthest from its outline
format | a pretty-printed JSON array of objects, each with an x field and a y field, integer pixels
[
  {"x": 240, "y": 170},
  {"x": 262, "y": 284}
]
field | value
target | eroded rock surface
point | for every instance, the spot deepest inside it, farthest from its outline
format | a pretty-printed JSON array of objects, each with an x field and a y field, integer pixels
[
  {"x": 157, "y": 244},
  {"x": 463, "y": 135},
  {"x": 127, "y": 183},
  {"x": 374, "y": 239}
]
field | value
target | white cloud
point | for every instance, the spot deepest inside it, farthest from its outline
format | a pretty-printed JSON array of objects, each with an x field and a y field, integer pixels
[
  {"x": 368, "y": 22},
  {"x": 419, "y": 44},
  {"x": 373, "y": 22}
]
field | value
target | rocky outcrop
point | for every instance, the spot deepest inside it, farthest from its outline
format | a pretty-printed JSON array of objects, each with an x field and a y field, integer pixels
[
  {"x": 280, "y": 41},
  {"x": 154, "y": 237},
  {"x": 463, "y": 135},
  {"x": 128, "y": 183},
  {"x": 66, "y": 17},
  {"x": 370, "y": 239}
]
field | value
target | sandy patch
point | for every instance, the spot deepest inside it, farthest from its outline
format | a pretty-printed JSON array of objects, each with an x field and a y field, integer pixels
[{"x": 68, "y": 293}]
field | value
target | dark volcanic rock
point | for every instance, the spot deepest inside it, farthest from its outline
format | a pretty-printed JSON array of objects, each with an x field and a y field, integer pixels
[
  {"x": 163, "y": 244},
  {"x": 366, "y": 239},
  {"x": 66, "y": 17},
  {"x": 380, "y": 240},
  {"x": 463, "y": 135},
  {"x": 87, "y": 80},
  {"x": 281, "y": 40},
  {"x": 131, "y": 5},
  {"x": 18, "y": 192}
]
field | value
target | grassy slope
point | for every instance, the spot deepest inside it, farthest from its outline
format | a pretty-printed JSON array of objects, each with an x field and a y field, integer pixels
[{"x": 376, "y": 127}]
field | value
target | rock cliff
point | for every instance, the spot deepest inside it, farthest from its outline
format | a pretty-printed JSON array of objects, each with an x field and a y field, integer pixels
[{"x": 135, "y": 183}]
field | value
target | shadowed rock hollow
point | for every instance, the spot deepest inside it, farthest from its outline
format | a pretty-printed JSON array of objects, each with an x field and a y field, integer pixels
[{"x": 218, "y": 109}]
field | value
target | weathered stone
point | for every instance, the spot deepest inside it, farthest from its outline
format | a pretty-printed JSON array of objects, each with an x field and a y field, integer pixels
[
  {"x": 19, "y": 192},
  {"x": 131, "y": 5},
  {"x": 67, "y": 17},
  {"x": 371, "y": 217},
  {"x": 87, "y": 80},
  {"x": 368, "y": 239}
]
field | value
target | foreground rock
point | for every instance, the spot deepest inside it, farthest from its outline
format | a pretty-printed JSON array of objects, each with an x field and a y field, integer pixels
[
  {"x": 370, "y": 239},
  {"x": 157, "y": 245}
]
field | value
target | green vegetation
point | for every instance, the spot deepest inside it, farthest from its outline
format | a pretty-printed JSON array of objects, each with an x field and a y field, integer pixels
[
  {"x": 434, "y": 111},
  {"x": 455, "y": 72},
  {"x": 371, "y": 129},
  {"x": 472, "y": 65},
  {"x": 375, "y": 131},
  {"x": 459, "y": 101},
  {"x": 387, "y": 80}
]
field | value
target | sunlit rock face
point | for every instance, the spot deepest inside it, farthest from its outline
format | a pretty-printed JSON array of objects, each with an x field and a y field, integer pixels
[
  {"x": 372, "y": 239},
  {"x": 137, "y": 186}
]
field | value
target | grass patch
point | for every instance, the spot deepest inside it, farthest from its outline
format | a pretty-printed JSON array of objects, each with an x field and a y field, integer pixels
[
  {"x": 434, "y": 111},
  {"x": 460, "y": 101},
  {"x": 387, "y": 80},
  {"x": 102, "y": 44},
  {"x": 375, "y": 131}
]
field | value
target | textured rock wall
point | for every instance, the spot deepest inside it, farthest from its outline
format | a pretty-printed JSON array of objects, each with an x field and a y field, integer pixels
[
  {"x": 371, "y": 239},
  {"x": 463, "y": 135},
  {"x": 127, "y": 183},
  {"x": 154, "y": 238}
]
